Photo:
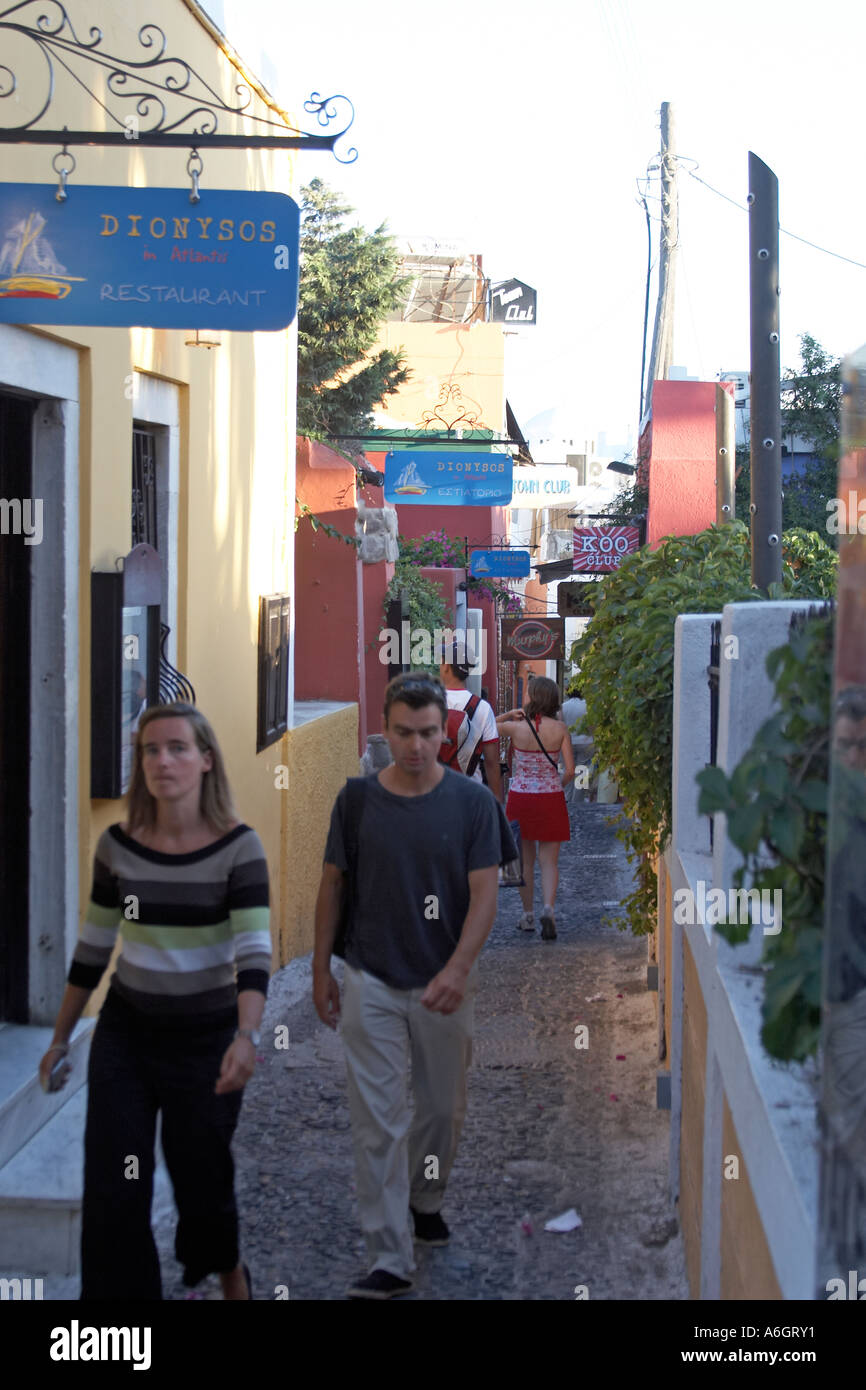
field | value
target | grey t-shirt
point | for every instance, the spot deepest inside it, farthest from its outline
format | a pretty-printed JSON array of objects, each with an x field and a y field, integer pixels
[{"x": 412, "y": 888}]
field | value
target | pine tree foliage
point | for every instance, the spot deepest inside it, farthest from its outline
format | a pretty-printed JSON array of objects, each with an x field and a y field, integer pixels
[{"x": 349, "y": 283}]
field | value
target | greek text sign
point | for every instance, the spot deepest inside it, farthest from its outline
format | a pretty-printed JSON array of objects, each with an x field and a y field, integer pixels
[
  {"x": 601, "y": 549},
  {"x": 148, "y": 257},
  {"x": 525, "y": 639},
  {"x": 432, "y": 477},
  {"x": 500, "y": 564}
]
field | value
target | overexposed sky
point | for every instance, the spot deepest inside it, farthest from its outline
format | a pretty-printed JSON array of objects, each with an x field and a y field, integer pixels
[{"x": 520, "y": 129}]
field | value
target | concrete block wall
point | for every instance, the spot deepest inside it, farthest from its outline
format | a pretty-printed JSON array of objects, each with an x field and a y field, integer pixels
[{"x": 744, "y": 1137}]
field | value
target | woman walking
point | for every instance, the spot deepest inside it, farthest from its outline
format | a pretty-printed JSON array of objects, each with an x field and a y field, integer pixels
[
  {"x": 186, "y": 883},
  {"x": 535, "y": 797}
]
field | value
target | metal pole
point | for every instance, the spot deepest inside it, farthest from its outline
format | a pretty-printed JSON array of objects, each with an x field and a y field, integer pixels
[
  {"x": 661, "y": 356},
  {"x": 725, "y": 455},
  {"x": 765, "y": 403}
]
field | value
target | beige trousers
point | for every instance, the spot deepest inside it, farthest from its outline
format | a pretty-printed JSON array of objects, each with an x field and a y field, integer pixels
[{"x": 401, "y": 1159}]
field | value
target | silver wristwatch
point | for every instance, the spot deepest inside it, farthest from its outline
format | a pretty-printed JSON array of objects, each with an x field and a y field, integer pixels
[{"x": 253, "y": 1034}]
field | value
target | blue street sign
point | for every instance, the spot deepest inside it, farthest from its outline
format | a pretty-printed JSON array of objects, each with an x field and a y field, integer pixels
[
  {"x": 147, "y": 257},
  {"x": 499, "y": 564},
  {"x": 436, "y": 477}
]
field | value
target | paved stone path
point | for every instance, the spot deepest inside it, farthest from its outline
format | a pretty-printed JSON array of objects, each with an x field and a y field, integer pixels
[{"x": 549, "y": 1126}]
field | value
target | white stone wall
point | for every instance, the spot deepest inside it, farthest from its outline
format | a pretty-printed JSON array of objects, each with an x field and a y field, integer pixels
[{"x": 773, "y": 1106}]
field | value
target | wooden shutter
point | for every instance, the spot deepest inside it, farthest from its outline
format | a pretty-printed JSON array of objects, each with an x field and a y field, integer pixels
[{"x": 273, "y": 669}]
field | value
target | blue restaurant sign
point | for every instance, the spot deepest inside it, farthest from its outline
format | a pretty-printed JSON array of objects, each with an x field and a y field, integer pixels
[
  {"x": 499, "y": 564},
  {"x": 147, "y": 257},
  {"x": 449, "y": 478}
]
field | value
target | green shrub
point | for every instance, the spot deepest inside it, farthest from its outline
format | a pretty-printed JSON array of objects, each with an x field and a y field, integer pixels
[{"x": 626, "y": 659}]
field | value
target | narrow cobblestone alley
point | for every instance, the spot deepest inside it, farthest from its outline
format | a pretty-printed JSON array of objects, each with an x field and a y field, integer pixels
[{"x": 549, "y": 1126}]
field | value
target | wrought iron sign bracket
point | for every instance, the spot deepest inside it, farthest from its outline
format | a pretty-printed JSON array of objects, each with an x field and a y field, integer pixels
[{"x": 167, "y": 103}]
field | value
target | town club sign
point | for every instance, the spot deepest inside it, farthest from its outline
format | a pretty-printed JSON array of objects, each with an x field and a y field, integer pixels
[{"x": 147, "y": 257}]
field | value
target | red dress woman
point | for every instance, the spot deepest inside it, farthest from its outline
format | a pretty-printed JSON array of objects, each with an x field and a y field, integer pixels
[{"x": 535, "y": 797}]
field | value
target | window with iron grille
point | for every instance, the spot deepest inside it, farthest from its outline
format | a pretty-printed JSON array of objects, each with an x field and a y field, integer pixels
[
  {"x": 273, "y": 669},
  {"x": 144, "y": 499}
]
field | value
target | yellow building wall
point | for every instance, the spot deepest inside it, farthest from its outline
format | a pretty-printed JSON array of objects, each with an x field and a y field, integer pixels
[
  {"x": 237, "y": 449},
  {"x": 470, "y": 357},
  {"x": 746, "y": 1264},
  {"x": 319, "y": 757},
  {"x": 692, "y": 1118}
]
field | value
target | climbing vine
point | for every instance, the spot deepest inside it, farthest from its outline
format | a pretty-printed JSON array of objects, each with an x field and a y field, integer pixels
[
  {"x": 319, "y": 525},
  {"x": 775, "y": 802}
]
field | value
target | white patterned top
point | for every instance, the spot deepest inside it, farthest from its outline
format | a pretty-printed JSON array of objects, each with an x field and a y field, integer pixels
[{"x": 531, "y": 772}]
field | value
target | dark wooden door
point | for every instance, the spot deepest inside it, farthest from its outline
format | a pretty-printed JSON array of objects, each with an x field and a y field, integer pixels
[{"x": 16, "y": 481}]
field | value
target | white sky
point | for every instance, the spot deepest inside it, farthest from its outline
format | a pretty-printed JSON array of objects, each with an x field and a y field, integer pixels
[{"x": 520, "y": 129}]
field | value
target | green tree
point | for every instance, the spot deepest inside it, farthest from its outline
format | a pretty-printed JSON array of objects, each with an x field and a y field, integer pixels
[
  {"x": 811, "y": 405},
  {"x": 349, "y": 283}
]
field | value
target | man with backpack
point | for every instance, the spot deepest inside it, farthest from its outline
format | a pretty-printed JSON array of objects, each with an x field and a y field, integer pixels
[
  {"x": 471, "y": 735},
  {"x": 413, "y": 854}
]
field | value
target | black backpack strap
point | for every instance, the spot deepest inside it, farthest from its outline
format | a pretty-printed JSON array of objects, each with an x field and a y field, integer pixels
[
  {"x": 469, "y": 710},
  {"x": 350, "y": 824},
  {"x": 355, "y": 790}
]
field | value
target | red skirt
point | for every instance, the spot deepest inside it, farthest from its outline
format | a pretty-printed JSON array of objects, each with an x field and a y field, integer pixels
[{"x": 540, "y": 815}]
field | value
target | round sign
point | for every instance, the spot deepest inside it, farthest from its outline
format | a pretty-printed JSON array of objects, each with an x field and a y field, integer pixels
[{"x": 533, "y": 639}]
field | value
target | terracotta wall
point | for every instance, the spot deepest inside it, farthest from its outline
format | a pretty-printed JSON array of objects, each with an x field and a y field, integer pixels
[
  {"x": 329, "y": 619},
  {"x": 682, "y": 466}
]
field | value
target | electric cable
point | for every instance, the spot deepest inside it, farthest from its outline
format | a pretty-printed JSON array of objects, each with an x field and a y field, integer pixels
[{"x": 794, "y": 235}]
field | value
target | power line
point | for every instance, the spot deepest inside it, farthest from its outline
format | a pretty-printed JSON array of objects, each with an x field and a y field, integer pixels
[{"x": 814, "y": 245}]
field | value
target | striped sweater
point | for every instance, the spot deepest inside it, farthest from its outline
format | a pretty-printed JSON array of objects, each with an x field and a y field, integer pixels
[{"x": 186, "y": 922}]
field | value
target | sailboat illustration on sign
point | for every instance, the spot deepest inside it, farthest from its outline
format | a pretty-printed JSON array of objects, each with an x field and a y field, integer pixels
[
  {"x": 409, "y": 482},
  {"x": 28, "y": 261}
]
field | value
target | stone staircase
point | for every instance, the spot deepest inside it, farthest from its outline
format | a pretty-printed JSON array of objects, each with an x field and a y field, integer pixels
[
  {"x": 41, "y": 1163},
  {"x": 40, "y": 1154}
]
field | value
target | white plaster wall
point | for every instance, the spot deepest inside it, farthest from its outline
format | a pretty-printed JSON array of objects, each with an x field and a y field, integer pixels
[{"x": 773, "y": 1106}]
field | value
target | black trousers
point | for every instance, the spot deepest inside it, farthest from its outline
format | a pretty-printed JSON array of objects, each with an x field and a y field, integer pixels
[{"x": 134, "y": 1073}]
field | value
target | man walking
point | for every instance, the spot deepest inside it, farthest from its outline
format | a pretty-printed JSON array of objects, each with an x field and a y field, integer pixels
[
  {"x": 416, "y": 849},
  {"x": 481, "y": 741}
]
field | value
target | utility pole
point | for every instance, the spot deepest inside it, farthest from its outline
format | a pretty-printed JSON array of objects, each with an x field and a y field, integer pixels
[
  {"x": 765, "y": 408},
  {"x": 661, "y": 356}
]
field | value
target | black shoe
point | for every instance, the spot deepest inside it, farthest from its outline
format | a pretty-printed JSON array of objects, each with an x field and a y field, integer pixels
[
  {"x": 249, "y": 1280},
  {"x": 380, "y": 1284},
  {"x": 430, "y": 1229},
  {"x": 548, "y": 926}
]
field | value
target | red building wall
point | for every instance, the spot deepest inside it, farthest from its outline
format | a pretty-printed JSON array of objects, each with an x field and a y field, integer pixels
[
  {"x": 682, "y": 462},
  {"x": 329, "y": 608}
]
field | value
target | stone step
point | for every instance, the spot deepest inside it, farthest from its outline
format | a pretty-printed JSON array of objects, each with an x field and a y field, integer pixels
[
  {"x": 40, "y": 1196},
  {"x": 24, "y": 1106}
]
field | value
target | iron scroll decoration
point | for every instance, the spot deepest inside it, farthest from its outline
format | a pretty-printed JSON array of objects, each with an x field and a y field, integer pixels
[{"x": 173, "y": 104}]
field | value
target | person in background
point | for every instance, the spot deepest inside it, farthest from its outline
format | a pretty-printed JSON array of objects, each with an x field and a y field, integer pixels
[
  {"x": 536, "y": 797},
  {"x": 186, "y": 883},
  {"x": 483, "y": 734}
]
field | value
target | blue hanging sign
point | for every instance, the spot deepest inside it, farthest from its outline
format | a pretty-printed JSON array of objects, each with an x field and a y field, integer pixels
[
  {"x": 499, "y": 564},
  {"x": 437, "y": 478},
  {"x": 148, "y": 257}
]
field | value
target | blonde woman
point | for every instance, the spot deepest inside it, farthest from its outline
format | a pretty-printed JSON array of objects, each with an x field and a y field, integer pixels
[
  {"x": 186, "y": 885},
  {"x": 536, "y": 797}
]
